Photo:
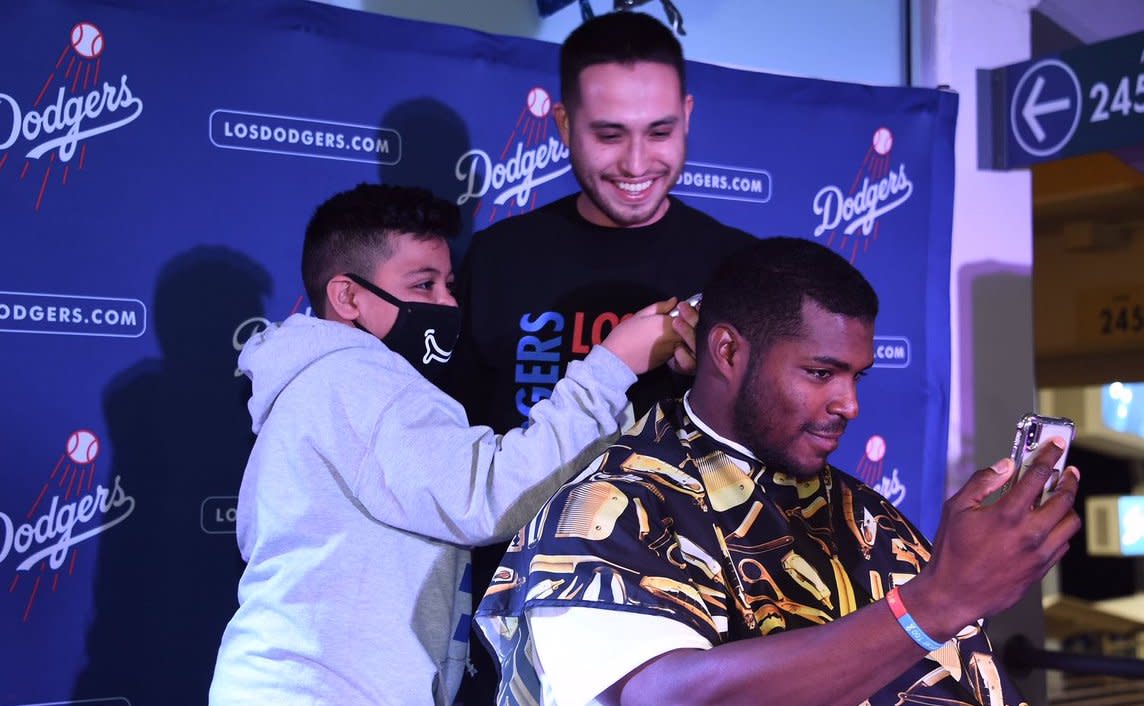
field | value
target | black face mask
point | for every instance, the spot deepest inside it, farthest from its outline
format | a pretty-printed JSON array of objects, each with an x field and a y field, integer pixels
[{"x": 424, "y": 334}]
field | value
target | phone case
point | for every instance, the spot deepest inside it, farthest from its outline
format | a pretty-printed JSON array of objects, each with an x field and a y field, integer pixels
[{"x": 1032, "y": 431}]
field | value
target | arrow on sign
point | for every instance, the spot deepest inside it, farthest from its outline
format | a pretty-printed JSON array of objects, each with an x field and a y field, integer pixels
[{"x": 1034, "y": 110}]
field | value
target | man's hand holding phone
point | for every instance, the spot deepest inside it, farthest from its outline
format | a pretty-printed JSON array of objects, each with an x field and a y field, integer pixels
[
  {"x": 1042, "y": 471},
  {"x": 1033, "y": 432},
  {"x": 986, "y": 555}
]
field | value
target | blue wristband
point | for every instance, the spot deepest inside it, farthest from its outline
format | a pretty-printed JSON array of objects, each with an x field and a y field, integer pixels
[{"x": 909, "y": 624}]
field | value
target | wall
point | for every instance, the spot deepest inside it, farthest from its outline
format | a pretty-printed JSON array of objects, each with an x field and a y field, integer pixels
[
  {"x": 1088, "y": 285},
  {"x": 991, "y": 291},
  {"x": 837, "y": 40}
]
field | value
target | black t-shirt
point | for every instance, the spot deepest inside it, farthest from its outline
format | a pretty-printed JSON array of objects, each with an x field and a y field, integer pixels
[{"x": 538, "y": 290}]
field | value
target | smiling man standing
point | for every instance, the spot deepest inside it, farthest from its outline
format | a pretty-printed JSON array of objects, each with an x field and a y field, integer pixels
[{"x": 540, "y": 288}]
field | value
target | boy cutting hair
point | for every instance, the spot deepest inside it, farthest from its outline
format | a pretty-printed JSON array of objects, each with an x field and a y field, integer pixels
[{"x": 367, "y": 486}]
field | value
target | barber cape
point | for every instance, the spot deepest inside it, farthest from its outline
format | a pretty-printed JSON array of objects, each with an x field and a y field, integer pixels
[{"x": 673, "y": 523}]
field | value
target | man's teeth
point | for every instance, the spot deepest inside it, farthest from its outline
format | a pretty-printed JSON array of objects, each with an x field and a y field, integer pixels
[{"x": 634, "y": 188}]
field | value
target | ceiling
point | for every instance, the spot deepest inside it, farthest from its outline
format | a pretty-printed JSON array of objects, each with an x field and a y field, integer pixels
[{"x": 1095, "y": 20}]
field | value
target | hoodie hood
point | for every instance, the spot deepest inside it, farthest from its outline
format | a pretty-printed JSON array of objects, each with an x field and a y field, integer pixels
[{"x": 274, "y": 357}]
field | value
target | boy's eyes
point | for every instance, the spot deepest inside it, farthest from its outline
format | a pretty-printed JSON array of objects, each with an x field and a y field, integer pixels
[{"x": 429, "y": 284}]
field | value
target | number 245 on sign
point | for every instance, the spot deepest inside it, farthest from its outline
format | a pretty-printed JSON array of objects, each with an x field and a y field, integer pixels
[{"x": 1109, "y": 315}]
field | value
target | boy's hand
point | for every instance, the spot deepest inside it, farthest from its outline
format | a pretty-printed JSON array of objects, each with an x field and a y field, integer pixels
[
  {"x": 683, "y": 360},
  {"x": 647, "y": 338}
]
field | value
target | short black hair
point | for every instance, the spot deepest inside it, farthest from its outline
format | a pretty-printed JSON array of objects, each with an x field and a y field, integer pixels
[
  {"x": 761, "y": 288},
  {"x": 616, "y": 38},
  {"x": 352, "y": 231}
]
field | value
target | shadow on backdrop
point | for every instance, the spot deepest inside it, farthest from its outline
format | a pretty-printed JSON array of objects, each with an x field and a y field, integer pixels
[
  {"x": 433, "y": 139},
  {"x": 166, "y": 580},
  {"x": 996, "y": 314}
]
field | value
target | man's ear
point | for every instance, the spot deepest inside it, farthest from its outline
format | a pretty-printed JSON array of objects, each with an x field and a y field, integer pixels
[
  {"x": 727, "y": 352},
  {"x": 563, "y": 121},
  {"x": 341, "y": 298}
]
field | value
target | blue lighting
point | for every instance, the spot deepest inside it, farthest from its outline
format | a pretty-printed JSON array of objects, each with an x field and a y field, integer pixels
[
  {"x": 1130, "y": 509},
  {"x": 1122, "y": 407}
]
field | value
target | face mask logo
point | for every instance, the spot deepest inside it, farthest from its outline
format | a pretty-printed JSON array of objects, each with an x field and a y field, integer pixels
[
  {"x": 433, "y": 351},
  {"x": 424, "y": 334}
]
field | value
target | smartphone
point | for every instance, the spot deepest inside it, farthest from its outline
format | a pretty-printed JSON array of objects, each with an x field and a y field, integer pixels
[
  {"x": 1032, "y": 431},
  {"x": 693, "y": 300}
]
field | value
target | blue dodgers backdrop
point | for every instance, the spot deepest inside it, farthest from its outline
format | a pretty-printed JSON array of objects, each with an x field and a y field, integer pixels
[{"x": 157, "y": 169}]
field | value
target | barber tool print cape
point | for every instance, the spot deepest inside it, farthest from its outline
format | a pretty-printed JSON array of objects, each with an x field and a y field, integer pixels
[{"x": 674, "y": 523}]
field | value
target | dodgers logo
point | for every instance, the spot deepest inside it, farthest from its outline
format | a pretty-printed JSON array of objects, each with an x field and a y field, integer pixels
[
  {"x": 71, "y": 508},
  {"x": 870, "y": 470},
  {"x": 877, "y": 189},
  {"x": 74, "y": 105},
  {"x": 531, "y": 157},
  {"x": 249, "y": 328}
]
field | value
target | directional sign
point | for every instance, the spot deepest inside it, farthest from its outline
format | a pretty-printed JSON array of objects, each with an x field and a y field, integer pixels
[
  {"x": 1043, "y": 121},
  {"x": 1087, "y": 99}
]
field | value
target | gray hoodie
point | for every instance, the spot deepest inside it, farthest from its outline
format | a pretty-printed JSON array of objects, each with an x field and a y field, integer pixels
[{"x": 363, "y": 493}]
